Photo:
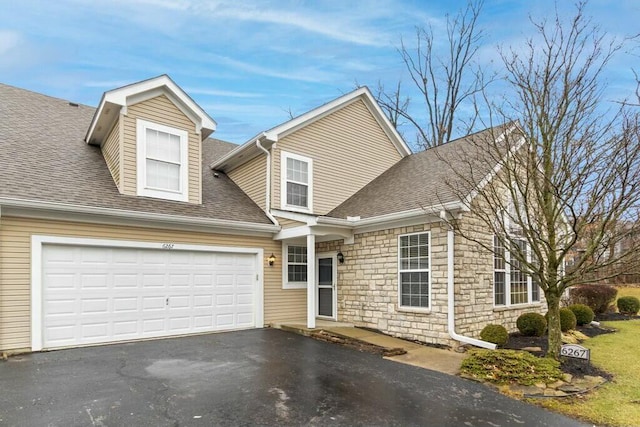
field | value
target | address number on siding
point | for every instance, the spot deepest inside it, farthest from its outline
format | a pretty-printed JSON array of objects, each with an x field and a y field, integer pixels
[
  {"x": 168, "y": 245},
  {"x": 575, "y": 351}
]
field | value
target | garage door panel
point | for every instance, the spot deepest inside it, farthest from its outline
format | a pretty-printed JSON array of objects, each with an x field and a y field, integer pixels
[
  {"x": 150, "y": 280},
  {"x": 94, "y": 306},
  {"x": 93, "y": 280},
  {"x": 124, "y": 329},
  {"x": 101, "y": 294},
  {"x": 93, "y": 331},
  {"x": 61, "y": 307},
  {"x": 60, "y": 280},
  {"x": 125, "y": 304},
  {"x": 125, "y": 280},
  {"x": 153, "y": 303},
  {"x": 179, "y": 301},
  {"x": 153, "y": 325},
  {"x": 203, "y": 301}
]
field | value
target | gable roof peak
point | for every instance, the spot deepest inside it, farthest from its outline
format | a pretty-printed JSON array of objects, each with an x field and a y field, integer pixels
[
  {"x": 113, "y": 101},
  {"x": 248, "y": 150}
]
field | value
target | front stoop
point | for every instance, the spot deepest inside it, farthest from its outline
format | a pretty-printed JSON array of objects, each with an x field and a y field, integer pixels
[{"x": 445, "y": 361}]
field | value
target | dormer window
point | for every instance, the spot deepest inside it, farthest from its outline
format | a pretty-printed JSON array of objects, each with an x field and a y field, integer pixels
[
  {"x": 162, "y": 161},
  {"x": 296, "y": 183}
]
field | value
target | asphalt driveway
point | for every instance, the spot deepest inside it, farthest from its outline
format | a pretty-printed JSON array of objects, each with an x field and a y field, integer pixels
[{"x": 257, "y": 377}]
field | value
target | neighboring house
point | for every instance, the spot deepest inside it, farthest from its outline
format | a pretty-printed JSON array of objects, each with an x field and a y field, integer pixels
[{"x": 128, "y": 222}]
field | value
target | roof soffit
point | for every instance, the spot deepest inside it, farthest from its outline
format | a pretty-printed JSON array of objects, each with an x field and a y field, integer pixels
[{"x": 117, "y": 100}]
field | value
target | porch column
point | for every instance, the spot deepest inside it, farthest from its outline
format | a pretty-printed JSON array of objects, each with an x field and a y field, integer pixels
[{"x": 311, "y": 281}]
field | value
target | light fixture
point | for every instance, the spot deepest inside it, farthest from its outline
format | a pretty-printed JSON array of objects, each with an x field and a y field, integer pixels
[
  {"x": 340, "y": 258},
  {"x": 271, "y": 260}
]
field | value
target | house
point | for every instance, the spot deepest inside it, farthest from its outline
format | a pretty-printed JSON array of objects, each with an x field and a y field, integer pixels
[{"x": 128, "y": 221}]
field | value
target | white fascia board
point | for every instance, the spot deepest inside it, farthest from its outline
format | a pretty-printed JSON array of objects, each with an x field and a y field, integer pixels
[
  {"x": 396, "y": 219},
  {"x": 496, "y": 169},
  {"x": 308, "y": 219},
  {"x": 280, "y": 131},
  {"x": 54, "y": 210},
  {"x": 123, "y": 96},
  {"x": 431, "y": 210},
  {"x": 293, "y": 232},
  {"x": 313, "y": 115},
  {"x": 249, "y": 150}
]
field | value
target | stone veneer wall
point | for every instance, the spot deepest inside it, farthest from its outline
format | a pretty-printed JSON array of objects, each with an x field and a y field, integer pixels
[{"x": 368, "y": 287}]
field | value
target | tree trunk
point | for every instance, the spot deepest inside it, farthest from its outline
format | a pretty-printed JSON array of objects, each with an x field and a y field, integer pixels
[{"x": 553, "y": 319}]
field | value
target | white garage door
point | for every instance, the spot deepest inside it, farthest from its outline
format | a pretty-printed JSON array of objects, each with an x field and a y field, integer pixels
[{"x": 102, "y": 294}]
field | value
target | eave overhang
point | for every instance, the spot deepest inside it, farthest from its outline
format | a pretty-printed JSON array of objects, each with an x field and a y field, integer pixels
[{"x": 116, "y": 101}]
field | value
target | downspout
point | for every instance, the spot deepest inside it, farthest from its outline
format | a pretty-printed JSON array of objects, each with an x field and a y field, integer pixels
[
  {"x": 267, "y": 196},
  {"x": 451, "y": 322}
]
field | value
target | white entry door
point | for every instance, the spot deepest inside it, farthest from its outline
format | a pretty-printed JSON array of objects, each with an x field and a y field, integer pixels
[
  {"x": 326, "y": 279},
  {"x": 93, "y": 294}
]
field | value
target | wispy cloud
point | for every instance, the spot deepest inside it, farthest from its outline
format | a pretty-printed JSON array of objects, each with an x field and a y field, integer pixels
[
  {"x": 224, "y": 93},
  {"x": 305, "y": 74},
  {"x": 313, "y": 21},
  {"x": 8, "y": 41}
]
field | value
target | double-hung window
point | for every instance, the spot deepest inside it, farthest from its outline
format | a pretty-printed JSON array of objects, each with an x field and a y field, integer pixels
[
  {"x": 162, "y": 161},
  {"x": 511, "y": 285},
  {"x": 297, "y": 178},
  {"x": 295, "y": 267},
  {"x": 414, "y": 270}
]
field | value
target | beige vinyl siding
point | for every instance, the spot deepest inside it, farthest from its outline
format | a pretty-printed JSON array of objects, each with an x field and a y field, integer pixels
[
  {"x": 15, "y": 268},
  {"x": 162, "y": 111},
  {"x": 348, "y": 148},
  {"x": 251, "y": 177},
  {"x": 289, "y": 223},
  {"x": 111, "y": 153}
]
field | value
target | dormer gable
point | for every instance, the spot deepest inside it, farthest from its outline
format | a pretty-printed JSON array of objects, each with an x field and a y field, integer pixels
[{"x": 151, "y": 134}]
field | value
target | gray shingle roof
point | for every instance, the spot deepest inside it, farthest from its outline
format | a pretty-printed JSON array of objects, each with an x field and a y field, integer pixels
[
  {"x": 432, "y": 177},
  {"x": 43, "y": 158}
]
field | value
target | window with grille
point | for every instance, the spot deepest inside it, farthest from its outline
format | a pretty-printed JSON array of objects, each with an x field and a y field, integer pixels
[
  {"x": 162, "y": 166},
  {"x": 296, "y": 182},
  {"x": 512, "y": 285},
  {"x": 414, "y": 270}
]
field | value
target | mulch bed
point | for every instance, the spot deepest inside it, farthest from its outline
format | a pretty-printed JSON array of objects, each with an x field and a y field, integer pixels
[
  {"x": 575, "y": 367},
  {"x": 614, "y": 316}
]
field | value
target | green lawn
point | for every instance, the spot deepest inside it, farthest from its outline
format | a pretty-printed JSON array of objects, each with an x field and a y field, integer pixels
[
  {"x": 624, "y": 291},
  {"x": 616, "y": 403}
]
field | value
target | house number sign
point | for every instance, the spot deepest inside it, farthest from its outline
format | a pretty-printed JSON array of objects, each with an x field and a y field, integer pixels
[
  {"x": 576, "y": 351},
  {"x": 167, "y": 246}
]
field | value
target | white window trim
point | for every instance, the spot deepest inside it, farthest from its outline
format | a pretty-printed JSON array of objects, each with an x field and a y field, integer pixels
[
  {"x": 141, "y": 149},
  {"x": 409, "y": 308},
  {"x": 507, "y": 282},
  {"x": 286, "y": 284},
  {"x": 284, "y": 155}
]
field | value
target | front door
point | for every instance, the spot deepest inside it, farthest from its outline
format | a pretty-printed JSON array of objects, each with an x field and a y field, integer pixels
[{"x": 326, "y": 280}]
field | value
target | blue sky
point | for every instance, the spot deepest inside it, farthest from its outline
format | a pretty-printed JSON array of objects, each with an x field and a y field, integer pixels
[{"x": 250, "y": 63}]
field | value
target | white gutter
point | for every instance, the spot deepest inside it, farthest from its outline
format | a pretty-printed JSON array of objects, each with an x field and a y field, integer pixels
[
  {"x": 450, "y": 297},
  {"x": 395, "y": 216},
  {"x": 143, "y": 216},
  {"x": 267, "y": 196}
]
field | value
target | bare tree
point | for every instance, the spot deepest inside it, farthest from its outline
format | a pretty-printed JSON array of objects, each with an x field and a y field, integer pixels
[
  {"x": 569, "y": 169},
  {"x": 445, "y": 81}
]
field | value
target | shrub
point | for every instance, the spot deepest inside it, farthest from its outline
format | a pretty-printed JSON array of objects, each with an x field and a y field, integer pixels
[
  {"x": 531, "y": 324},
  {"x": 496, "y": 334},
  {"x": 628, "y": 305},
  {"x": 598, "y": 297},
  {"x": 584, "y": 314},
  {"x": 509, "y": 366},
  {"x": 567, "y": 319}
]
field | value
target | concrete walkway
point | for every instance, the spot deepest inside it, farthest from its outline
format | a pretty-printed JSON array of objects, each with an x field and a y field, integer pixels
[{"x": 445, "y": 361}]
